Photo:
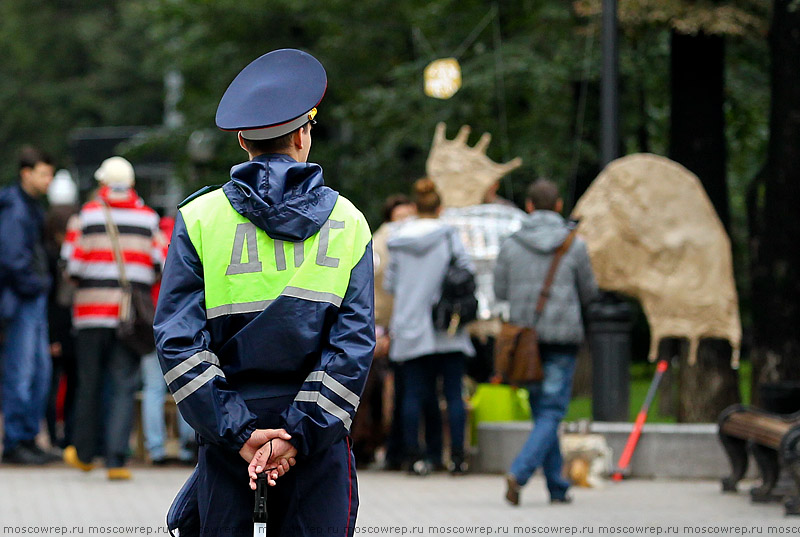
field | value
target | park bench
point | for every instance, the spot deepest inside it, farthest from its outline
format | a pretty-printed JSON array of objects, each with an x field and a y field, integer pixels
[{"x": 773, "y": 440}]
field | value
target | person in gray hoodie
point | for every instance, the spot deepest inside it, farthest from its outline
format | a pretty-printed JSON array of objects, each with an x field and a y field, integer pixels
[
  {"x": 420, "y": 252},
  {"x": 519, "y": 275}
]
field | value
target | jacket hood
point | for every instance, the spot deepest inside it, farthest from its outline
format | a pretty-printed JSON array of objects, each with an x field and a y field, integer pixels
[
  {"x": 122, "y": 198},
  {"x": 285, "y": 198},
  {"x": 419, "y": 235},
  {"x": 542, "y": 231}
]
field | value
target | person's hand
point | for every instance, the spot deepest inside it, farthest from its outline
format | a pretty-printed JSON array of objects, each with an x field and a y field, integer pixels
[
  {"x": 278, "y": 455},
  {"x": 258, "y": 438},
  {"x": 56, "y": 349},
  {"x": 382, "y": 347},
  {"x": 497, "y": 378}
]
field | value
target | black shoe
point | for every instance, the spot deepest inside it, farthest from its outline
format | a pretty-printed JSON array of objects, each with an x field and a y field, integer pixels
[
  {"x": 458, "y": 466},
  {"x": 437, "y": 466},
  {"x": 563, "y": 500},
  {"x": 392, "y": 466},
  {"x": 46, "y": 454},
  {"x": 23, "y": 455}
]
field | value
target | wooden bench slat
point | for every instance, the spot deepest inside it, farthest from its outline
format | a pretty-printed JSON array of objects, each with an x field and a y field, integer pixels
[{"x": 765, "y": 430}]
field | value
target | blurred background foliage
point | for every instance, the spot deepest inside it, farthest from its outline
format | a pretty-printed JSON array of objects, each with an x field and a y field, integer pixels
[{"x": 531, "y": 78}]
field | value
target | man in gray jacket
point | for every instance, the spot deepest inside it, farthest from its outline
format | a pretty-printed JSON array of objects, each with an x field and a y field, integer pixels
[{"x": 519, "y": 275}]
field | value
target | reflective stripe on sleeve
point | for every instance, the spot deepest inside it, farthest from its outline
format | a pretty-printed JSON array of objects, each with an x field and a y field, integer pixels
[
  {"x": 325, "y": 404},
  {"x": 335, "y": 386},
  {"x": 189, "y": 363},
  {"x": 315, "y": 376},
  {"x": 196, "y": 383}
]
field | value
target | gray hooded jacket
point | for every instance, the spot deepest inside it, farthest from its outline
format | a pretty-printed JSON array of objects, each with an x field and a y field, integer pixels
[
  {"x": 522, "y": 266},
  {"x": 419, "y": 256}
]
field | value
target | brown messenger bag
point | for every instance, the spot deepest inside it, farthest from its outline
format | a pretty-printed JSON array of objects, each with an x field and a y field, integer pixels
[{"x": 516, "y": 349}]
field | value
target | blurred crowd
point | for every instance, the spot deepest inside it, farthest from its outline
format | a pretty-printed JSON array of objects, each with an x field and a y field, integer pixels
[{"x": 69, "y": 273}]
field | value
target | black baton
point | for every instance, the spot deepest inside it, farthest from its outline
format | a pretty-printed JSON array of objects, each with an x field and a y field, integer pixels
[{"x": 260, "y": 509}]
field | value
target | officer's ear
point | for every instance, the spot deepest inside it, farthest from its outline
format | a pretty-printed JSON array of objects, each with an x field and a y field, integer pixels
[
  {"x": 300, "y": 135},
  {"x": 242, "y": 143}
]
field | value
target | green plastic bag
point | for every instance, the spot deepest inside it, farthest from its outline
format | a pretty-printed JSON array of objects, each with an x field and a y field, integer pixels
[{"x": 498, "y": 402}]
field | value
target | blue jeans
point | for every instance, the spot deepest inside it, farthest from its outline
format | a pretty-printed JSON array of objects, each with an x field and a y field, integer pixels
[
  {"x": 26, "y": 371},
  {"x": 420, "y": 375},
  {"x": 155, "y": 431},
  {"x": 549, "y": 400}
]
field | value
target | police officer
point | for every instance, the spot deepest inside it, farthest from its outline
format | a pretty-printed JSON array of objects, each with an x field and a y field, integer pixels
[{"x": 264, "y": 325}]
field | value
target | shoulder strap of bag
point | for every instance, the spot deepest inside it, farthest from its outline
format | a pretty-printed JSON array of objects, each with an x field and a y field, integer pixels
[
  {"x": 551, "y": 273},
  {"x": 450, "y": 246},
  {"x": 113, "y": 234},
  {"x": 452, "y": 253}
]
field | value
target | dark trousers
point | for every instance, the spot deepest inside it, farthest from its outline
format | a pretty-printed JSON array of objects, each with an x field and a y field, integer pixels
[
  {"x": 395, "y": 447},
  {"x": 63, "y": 368},
  {"x": 420, "y": 377},
  {"x": 318, "y": 496},
  {"x": 105, "y": 367}
]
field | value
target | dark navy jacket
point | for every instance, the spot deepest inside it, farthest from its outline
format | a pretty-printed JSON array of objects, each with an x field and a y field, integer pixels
[
  {"x": 23, "y": 261},
  {"x": 246, "y": 309}
]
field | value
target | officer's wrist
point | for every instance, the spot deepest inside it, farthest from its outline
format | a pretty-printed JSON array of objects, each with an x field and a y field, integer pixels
[{"x": 242, "y": 438}]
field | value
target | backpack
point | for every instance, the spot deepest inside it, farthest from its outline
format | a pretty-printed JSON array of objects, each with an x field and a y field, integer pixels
[{"x": 458, "y": 304}]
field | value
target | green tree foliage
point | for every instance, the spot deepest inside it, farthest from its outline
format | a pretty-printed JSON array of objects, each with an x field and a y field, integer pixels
[
  {"x": 531, "y": 78},
  {"x": 520, "y": 72},
  {"x": 70, "y": 64}
]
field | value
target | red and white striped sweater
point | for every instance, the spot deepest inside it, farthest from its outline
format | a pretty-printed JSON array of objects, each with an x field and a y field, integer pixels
[{"x": 90, "y": 256}]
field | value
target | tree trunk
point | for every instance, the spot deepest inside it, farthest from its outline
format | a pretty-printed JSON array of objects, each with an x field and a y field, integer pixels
[
  {"x": 774, "y": 225},
  {"x": 709, "y": 386},
  {"x": 669, "y": 349},
  {"x": 697, "y": 140},
  {"x": 697, "y": 123},
  {"x": 582, "y": 381}
]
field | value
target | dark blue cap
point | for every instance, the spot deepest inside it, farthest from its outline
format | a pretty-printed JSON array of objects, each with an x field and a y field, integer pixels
[{"x": 274, "y": 95}]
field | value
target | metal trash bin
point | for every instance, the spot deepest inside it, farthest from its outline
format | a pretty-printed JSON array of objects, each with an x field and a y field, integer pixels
[{"x": 610, "y": 321}]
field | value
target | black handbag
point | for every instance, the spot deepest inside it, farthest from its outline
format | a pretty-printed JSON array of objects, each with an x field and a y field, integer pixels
[
  {"x": 136, "y": 308},
  {"x": 458, "y": 305}
]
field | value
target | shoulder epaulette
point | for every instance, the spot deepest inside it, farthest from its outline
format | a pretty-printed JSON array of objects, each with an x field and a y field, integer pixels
[{"x": 201, "y": 192}]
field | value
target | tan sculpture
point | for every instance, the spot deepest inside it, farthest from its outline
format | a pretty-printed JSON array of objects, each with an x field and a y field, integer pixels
[
  {"x": 463, "y": 174},
  {"x": 653, "y": 234}
]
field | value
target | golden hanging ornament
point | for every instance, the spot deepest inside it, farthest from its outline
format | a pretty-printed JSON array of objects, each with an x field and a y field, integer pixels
[{"x": 442, "y": 78}]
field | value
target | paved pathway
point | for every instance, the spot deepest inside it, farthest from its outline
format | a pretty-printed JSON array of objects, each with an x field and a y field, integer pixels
[{"x": 66, "y": 501}]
